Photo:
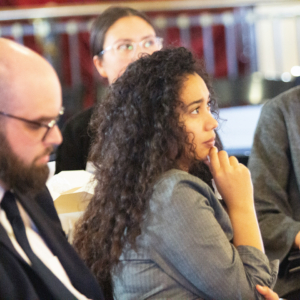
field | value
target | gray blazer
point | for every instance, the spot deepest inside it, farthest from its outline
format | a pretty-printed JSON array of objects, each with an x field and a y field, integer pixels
[
  {"x": 184, "y": 250},
  {"x": 275, "y": 168}
]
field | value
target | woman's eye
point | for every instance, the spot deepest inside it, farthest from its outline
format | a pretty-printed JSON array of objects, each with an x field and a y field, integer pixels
[
  {"x": 125, "y": 47},
  {"x": 195, "y": 111},
  {"x": 149, "y": 43}
]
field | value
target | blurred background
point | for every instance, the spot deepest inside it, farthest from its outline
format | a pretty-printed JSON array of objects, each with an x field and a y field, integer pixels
[{"x": 251, "y": 49}]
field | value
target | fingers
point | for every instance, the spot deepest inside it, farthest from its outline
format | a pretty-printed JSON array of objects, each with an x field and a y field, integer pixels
[
  {"x": 214, "y": 159},
  {"x": 224, "y": 159},
  {"x": 267, "y": 292},
  {"x": 261, "y": 289},
  {"x": 221, "y": 159},
  {"x": 233, "y": 161},
  {"x": 232, "y": 180}
]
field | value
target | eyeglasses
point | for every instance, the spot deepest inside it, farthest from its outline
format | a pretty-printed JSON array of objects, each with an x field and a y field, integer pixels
[
  {"x": 37, "y": 125},
  {"x": 127, "y": 48}
]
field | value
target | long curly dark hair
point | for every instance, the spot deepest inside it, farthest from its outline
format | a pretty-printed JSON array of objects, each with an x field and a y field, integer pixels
[{"x": 138, "y": 137}]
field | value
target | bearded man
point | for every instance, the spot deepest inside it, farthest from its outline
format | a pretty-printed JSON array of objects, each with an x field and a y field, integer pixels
[{"x": 36, "y": 261}]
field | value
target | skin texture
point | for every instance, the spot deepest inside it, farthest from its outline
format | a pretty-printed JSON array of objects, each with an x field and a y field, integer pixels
[
  {"x": 196, "y": 116},
  {"x": 233, "y": 182},
  {"x": 130, "y": 28},
  {"x": 36, "y": 97}
]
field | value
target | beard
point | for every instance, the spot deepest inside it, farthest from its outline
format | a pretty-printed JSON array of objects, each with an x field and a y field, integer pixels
[{"x": 16, "y": 174}]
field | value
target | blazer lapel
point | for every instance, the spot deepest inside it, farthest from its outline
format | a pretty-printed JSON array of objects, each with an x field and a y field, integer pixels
[
  {"x": 5, "y": 240},
  {"x": 48, "y": 230},
  {"x": 55, "y": 239},
  {"x": 51, "y": 234}
]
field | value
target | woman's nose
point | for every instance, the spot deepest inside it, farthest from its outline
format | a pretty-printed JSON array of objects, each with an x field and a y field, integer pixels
[{"x": 211, "y": 122}]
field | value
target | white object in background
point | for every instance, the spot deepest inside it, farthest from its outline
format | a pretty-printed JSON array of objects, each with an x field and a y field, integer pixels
[
  {"x": 51, "y": 166},
  {"x": 71, "y": 192},
  {"x": 90, "y": 167},
  {"x": 277, "y": 38},
  {"x": 69, "y": 180},
  {"x": 238, "y": 128}
]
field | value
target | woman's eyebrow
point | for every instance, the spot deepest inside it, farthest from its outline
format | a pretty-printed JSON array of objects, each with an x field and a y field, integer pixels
[
  {"x": 195, "y": 102},
  {"x": 131, "y": 40},
  {"x": 123, "y": 40}
]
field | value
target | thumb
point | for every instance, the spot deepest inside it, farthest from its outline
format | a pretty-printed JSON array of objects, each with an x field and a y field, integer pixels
[
  {"x": 267, "y": 292},
  {"x": 261, "y": 289}
]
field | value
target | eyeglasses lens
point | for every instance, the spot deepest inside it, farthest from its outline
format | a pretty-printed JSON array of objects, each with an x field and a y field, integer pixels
[{"x": 149, "y": 45}]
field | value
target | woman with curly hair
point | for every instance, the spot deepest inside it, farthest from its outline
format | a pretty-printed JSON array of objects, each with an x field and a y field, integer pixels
[{"x": 154, "y": 227}]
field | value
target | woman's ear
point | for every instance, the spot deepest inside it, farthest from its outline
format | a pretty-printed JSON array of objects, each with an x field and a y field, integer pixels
[{"x": 98, "y": 63}]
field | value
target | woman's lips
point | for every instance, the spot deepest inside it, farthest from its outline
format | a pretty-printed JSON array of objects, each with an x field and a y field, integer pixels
[{"x": 210, "y": 143}]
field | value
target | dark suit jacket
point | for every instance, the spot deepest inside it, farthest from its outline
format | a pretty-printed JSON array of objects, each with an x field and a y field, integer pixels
[{"x": 17, "y": 280}]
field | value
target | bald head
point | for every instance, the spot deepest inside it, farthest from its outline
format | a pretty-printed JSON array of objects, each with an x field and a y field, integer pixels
[
  {"x": 30, "y": 101},
  {"x": 20, "y": 67}
]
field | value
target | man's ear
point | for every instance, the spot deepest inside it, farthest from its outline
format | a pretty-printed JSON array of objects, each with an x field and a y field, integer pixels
[{"x": 99, "y": 66}]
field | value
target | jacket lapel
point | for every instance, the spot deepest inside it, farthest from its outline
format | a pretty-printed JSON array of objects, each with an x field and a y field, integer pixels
[
  {"x": 48, "y": 230},
  {"x": 5, "y": 240},
  {"x": 54, "y": 237}
]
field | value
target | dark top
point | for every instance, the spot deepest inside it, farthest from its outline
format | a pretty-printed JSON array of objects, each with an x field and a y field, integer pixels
[{"x": 72, "y": 154}]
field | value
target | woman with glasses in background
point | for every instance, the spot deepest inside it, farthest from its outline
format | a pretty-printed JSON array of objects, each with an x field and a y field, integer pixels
[{"x": 118, "y": 37}]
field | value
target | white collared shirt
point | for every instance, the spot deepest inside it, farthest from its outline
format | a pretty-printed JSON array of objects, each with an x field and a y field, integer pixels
[{"x": 38, "y": 246}]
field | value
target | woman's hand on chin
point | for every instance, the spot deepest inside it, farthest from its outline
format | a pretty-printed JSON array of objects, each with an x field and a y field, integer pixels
[{"x": 232, "y": 179}]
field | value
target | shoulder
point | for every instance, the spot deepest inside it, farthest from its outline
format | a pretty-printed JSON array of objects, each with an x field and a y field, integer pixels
[
  {"x": 175, "y": 177},
  {"x": 44, "y": 200},
  {"x": 181, "y": 201},
  {"x": 286, "y": 101},
  {"x": 279, "y": 116},
  {"x": 174, "y": 185}
]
